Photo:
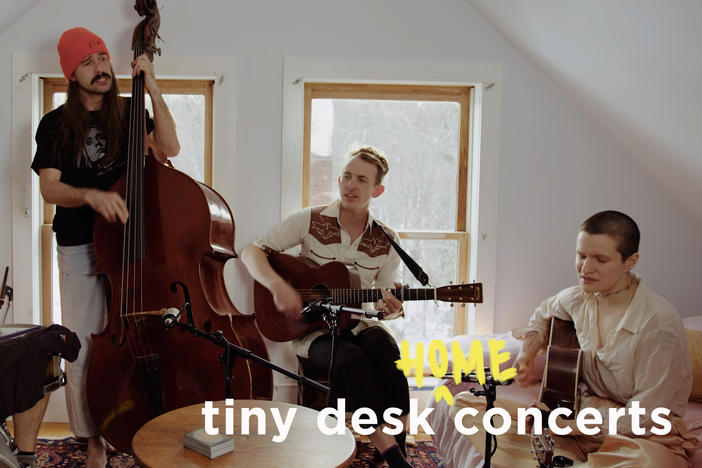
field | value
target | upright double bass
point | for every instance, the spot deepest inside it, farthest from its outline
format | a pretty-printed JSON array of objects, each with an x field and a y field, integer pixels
[{"x": 171, "y": 252}]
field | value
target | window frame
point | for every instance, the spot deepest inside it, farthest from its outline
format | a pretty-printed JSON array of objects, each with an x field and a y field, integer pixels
[
  {"x": 460, "y": 94},
  {"x": 49, "y": 87},
  {"x": 484, "y": 149}
]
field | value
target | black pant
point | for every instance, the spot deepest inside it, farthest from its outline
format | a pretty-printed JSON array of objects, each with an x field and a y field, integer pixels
[{"x": 364, "y": 369}]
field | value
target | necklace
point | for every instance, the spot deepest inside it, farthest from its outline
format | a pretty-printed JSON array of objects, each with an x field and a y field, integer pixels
[{"x": 631, "y": 283}]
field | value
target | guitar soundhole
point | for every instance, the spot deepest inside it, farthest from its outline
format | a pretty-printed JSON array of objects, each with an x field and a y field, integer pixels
[{"x": 320, "y": 292}]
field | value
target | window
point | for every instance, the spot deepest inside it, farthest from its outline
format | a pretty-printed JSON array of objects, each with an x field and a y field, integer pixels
[
  {"x": 190, "y": 102},
  {"x": 424, "y": 130}
]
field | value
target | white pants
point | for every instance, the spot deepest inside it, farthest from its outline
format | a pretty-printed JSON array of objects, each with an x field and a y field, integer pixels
[{"x": 84, "y": 312}]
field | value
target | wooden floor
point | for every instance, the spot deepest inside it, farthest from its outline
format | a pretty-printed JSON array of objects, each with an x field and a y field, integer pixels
[{"x": 50, "y": 430}]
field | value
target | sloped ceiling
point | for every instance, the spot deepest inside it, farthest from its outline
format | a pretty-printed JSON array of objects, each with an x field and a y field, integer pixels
[
  {"x": 634, "y": 66},
  {"x": 12, "y": 10}
]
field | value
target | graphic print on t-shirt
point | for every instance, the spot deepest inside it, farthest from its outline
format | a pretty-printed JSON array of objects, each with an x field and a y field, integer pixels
[{"x": 94, "y": 151}]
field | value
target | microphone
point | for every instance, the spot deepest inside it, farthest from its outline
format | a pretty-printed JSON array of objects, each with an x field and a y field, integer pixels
[
  {"x": 488, "y": 377},
  {"x": 368, "y": 313},
  {"x": 308, "y": 309},
  {"x": 170, "y": 317},
  {"x": 338, "y": 309},
  {"x": 312, "y": 312}
]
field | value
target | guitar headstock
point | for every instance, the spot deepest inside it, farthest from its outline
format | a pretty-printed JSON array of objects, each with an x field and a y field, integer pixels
[{"x": 472, "y": 293}]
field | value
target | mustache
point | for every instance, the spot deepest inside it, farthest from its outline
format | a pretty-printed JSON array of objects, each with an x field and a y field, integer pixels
[{"x": 99, "y": 76}]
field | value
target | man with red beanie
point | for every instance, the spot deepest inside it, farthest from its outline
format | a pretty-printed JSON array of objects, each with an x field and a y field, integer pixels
[{"x": 81, "y": 152}]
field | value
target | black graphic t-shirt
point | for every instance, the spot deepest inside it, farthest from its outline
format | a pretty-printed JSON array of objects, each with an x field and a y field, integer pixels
[{"x": 74, "y": 226}]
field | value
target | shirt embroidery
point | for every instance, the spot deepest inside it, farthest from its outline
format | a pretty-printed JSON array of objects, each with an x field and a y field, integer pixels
[
  {"x": 374, "y": 243},
  {"x": 322, "y": 256},
  {"x": 365, "y": 267},
  {"x": 324, "y": 228}
]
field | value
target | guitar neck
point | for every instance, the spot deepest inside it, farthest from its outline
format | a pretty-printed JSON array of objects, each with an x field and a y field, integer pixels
[
  {"x": 355, "y": 296},
  {"x": 460, "y": 293}
]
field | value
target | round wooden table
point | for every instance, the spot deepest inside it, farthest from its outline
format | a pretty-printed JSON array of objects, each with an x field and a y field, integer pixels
[{"x": 159, "y": 443}]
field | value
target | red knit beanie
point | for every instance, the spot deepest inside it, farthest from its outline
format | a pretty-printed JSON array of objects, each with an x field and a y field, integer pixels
[{"x": 76, "y": 44}]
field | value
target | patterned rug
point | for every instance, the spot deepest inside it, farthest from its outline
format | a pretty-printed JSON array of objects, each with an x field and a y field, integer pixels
[
  {"x": 423, "y": 455},
  {"x": 70, "y": 453}
]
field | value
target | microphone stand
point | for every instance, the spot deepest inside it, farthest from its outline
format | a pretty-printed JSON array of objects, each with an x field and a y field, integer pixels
[
  {"x": 331, "y": 314},
  {"x": 231, "y": 351},
  {"x": 489, "y": 391}
]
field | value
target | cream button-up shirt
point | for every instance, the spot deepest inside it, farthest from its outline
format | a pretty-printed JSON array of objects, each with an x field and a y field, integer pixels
[
  {"x": 645, "y": 358},
  {"x": 318, "y": 231}
]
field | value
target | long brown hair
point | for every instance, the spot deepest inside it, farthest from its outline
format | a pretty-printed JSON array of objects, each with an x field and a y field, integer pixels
[{"x": 74, "y": 126}]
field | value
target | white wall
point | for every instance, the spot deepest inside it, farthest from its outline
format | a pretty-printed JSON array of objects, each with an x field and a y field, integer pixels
[{"x": 556, "y": 166}]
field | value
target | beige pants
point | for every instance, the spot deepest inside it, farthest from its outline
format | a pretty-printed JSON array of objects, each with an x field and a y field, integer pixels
[
  {"x": 601, "y": 451},
  {"x": 83, "y": 312}
]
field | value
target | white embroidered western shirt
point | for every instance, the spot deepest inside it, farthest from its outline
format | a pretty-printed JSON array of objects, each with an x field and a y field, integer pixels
[
  {"x": 322, "y": 239},
  {"x": 645, "y": 358}
]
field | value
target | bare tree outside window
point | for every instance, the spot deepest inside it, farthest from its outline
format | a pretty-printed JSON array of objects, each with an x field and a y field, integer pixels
[{"x": 422, "y": 140}]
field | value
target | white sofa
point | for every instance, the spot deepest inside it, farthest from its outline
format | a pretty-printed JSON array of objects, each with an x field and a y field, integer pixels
[{"x": 456, "y": 450}]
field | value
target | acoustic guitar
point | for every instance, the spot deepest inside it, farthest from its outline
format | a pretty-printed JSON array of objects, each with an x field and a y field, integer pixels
[
  {"x": 338, "y": 284},
  {"x": 559, "y": 387}
]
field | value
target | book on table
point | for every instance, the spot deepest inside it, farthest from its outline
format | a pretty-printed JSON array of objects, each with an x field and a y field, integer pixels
[{"x": 208, "y": 445}]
